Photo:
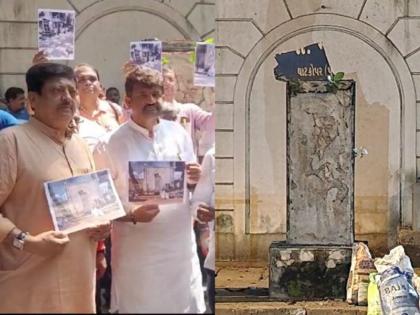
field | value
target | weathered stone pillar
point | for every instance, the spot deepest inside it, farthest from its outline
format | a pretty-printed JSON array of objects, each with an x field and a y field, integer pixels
[{"x": 314, "y": 261}]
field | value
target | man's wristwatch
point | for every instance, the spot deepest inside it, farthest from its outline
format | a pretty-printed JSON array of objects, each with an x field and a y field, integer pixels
[{"x": 19, "y": 240}]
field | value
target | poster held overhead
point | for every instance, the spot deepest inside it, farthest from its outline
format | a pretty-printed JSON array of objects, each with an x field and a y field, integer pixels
[
  {"x": 147, "y": 53},
  {"x": 204, "y": 70},
  {"x": 56, "y": 33}
]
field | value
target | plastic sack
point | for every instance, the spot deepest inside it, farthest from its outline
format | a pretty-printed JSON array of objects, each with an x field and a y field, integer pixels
[
  {"x": 416, "y": 285},
  {"x": 397, "y": 293},
  {"x": 361, "y": 266},
  {"x": 395, "y": 258},
  {"x": 350, "y": 288},
  {"x": 374, "y": 300}
]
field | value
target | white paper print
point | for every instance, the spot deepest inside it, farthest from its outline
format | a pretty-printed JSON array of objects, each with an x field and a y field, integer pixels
[
  {"x": 56, "y": 33},
  {"x": 161, "y": 182},
  {"x": 147, "y": 53},
  {"x": 83, "y": 201},
  {"x": 204, "y": 72}
]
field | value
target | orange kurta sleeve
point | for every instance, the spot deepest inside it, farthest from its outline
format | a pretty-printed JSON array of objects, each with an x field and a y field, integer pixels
[{"x": 8, "y": 174}]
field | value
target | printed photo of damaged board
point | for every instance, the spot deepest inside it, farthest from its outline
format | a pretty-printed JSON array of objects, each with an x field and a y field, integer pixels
[
  {"x": 56, "y": 33},
  {"x": 161, "y": 182},
  {"x": 83, "y": 201},
  {"x": 204, "y": 70},
  {"x": 147, "y": 54}
]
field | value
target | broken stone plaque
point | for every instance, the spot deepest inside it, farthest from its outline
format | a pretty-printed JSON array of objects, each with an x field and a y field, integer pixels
[{"x": 320, "y": 163}]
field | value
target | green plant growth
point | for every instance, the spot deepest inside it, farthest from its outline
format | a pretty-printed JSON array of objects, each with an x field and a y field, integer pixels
[
  {"x": 294, "y": 288},
  {"x": 165, "y": 60},
  {"x": 294, "y": 86},
  {"x": 192, "y": 57},
  {"x": 334, "y": 81},
  {"x": 209, "y": 40}
]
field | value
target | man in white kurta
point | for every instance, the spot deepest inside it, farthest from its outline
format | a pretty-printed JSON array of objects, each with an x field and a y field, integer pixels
[
  {"x": 202, "y": 205},
  {"x": 155, "y": 267}
]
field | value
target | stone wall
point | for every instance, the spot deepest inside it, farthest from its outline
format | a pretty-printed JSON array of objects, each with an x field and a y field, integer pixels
[
  {"x": 186, "y": 91},
  {"x": 375, "y": 43},
  {"x": 309, "y": 272}
]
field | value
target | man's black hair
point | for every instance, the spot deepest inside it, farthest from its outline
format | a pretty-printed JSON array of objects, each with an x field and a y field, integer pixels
[
  {"x": 40, "y": 73},
  {"x": 112, "y": 88},
  {"x": 12, "y": 93}
]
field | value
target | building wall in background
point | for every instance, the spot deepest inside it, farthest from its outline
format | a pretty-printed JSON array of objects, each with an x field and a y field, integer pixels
[{"x": 375, "y": 43}]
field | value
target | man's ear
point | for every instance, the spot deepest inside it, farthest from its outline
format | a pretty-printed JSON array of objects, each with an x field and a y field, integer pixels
[
  {"x": 29, "y": 108},
  {"x": 127, "y": 101},
  {"x": 32, "y": 101}
]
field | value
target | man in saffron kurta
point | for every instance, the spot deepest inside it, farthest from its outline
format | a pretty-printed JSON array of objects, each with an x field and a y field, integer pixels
[{"x": 49, "y": 272}]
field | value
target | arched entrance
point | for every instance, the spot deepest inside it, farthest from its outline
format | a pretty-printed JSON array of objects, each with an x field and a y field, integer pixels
[{"x": 385, "y": 120}]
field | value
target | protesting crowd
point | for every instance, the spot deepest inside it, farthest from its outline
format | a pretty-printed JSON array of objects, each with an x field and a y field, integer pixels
[{"x": 67, "y": 125}]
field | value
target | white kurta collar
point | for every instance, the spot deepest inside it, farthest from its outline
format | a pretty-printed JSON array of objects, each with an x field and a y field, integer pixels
[{"x": 141, "y": 129}]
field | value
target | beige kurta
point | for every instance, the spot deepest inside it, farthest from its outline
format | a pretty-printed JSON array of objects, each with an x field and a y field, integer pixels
[{"x": 31, "y": 154}]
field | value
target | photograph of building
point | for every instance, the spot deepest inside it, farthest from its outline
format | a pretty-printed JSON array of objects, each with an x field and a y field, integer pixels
[
  {"x": 80, "y": 201},
  {"x": 156, "y": 181}
]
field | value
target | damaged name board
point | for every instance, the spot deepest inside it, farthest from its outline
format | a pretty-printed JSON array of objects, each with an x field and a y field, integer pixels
[{"x": 307, "y": 63}]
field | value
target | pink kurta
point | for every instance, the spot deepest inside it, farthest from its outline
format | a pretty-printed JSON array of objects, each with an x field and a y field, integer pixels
[
  {"x": 199, "y": 124},
  {"x": 31, "y": 154}
]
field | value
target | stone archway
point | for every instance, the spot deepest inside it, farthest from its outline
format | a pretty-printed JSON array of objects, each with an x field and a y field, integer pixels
[
  {"x": 105, "y": 29},
  {"x": 402, "y": 168},
  {"x": 103, "y": 8}
]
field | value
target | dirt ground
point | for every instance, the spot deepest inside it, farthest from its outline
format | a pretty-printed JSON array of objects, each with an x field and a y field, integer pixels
[
  {"x": 241, "y": 275},
  {"x": 299, "y": 308},
  {"x": 237, "y": 275},
  {"x": 256, "y": 275}
]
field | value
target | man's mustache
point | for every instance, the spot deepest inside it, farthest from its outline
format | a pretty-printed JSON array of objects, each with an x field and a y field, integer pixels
[
  {"x": 156, "y": 106},
  {"x": 65, "y": 105}
]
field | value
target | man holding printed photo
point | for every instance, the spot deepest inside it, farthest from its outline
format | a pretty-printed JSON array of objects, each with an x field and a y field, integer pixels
[
  {"x": 41, "y": 270},
  {"x": 155, "y": 267}
]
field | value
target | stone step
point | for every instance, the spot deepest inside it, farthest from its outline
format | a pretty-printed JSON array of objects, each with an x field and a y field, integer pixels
[
  {"x": 242, "y": 289},
  {"x": 283, "y": 308}
]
